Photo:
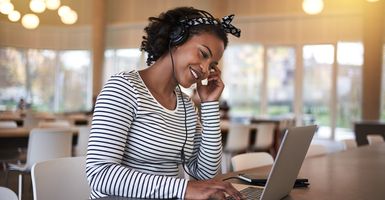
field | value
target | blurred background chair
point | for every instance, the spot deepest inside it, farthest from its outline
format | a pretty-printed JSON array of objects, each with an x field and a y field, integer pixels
[
  {"x": 264, "y": 139},
  {"x": 7, "y": 194},
  {"x": 43, "y": 144},
  {"x": 9, "y": 154},
  {"x": 81, "y": 147},
  {"x": 251, "y": 160},
  {"x": 375, "y": 139},
  {"x": 316, "y": 150},
  {"x": 60, "y": 179},
  {"x": 238, "y": 140}
]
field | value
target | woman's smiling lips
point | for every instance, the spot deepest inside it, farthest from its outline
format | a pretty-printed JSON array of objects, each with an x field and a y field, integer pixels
[{"x": 195, "y": 73}]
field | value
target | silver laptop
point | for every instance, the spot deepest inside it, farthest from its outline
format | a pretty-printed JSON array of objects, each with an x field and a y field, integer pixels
[{"x": 286, "y": 166}]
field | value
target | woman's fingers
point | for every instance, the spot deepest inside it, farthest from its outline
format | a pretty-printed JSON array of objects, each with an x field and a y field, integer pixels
[{"x": 211, "y": 189}]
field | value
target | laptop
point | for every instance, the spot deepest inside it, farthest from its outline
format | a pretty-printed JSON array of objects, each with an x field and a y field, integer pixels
[{"x": 286, "y": 166}]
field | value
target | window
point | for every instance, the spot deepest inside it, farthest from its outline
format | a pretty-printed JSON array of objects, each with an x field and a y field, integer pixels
[
  {"x": 349, "y": 83},
  {"x": 317, "y": 84},
  {"x": 49, "y": 80},
  {"x": 41, "y": 75},
  {"x": 75, "y": 81},
  {"x": 280, "y": 82},
  {"x": 242, "y": 74},
  {"x": 12, "y": 77},
  {"x": 118, "y": 60}
]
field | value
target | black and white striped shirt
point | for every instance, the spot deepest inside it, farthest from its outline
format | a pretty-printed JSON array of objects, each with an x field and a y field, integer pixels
[{"x": 135, "y": 143}]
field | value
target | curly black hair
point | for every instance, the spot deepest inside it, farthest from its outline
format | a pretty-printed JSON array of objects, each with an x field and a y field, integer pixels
[{"x": 157, "y": 40}]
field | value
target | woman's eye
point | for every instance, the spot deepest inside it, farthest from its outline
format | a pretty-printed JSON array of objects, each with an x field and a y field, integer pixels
[{"x": 204, "y": 54}]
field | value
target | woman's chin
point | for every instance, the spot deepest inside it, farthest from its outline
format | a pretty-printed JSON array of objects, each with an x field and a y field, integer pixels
[{"x": 186, "y": 84}]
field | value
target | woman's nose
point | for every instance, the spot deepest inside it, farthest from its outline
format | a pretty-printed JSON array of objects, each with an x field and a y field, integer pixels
[{"x": 205, "y": 69}]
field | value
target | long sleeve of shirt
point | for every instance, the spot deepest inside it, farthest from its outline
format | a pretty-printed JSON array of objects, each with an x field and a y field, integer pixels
[
  {"x": 206, "y": 158},
  {"x": 135, "y": 144}
]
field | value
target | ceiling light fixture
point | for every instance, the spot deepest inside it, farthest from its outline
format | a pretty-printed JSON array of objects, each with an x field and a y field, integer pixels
[
  {"x": 313, "y": 7},
  {"x": 14, "y": 16},
  {"x": 31, "y": 21},
  {"x": 37, "y": 6}
]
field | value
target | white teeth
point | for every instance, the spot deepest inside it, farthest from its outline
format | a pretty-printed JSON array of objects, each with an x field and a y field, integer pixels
[{"x": 194, "y": 74}]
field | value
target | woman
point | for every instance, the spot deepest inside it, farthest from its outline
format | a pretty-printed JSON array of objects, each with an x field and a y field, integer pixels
[{"x": 144, "y": 126}]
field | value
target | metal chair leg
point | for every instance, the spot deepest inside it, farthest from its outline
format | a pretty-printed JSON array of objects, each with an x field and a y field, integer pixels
[{"x": 20, "y": 189}]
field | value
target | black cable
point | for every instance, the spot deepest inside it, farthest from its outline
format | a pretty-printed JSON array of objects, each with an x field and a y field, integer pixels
[{"x": 182, "y": 155}]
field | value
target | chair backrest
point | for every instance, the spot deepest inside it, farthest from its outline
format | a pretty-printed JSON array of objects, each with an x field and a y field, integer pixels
[
  {"x": 349, "y": 144},
  {"x": 60, "y": 179},
  {"x": 237, "y": 137},
  {"x": 7, "y": 194},
  {"x": 375, "y": 139},
  {"x": 48, "y": 143},
  {"x": 265, "y": 136},
  {"x": 54, "y": 124},
  {"x": 251, "y": 160},
  {"x": 8, "y": 124},
  {"x": 316, "y": 150},
  {"x": 83, "y": 135}
]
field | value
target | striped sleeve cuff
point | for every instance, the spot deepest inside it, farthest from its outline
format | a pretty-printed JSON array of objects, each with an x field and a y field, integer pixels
[{"x": 210, "y": 109}]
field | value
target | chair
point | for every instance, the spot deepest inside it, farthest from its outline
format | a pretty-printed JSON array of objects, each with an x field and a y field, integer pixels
[
  {"x": 237, "y": 142},
  {"x": 54, "y": 124},
  {"x": 251, "y": 160},
  {"x": 349, "y": 144},
  {"x": 81, "y": 147},
  {"x": 7, "y": 194},
  {"x": 60, "y": 179},
  {"x": 264, "y": 139},
  {"x": 9, "y": 154},
  {"x": 316, "y": 150},
  {"x": 44, "y": 144},
  {"x": 8, "y": 124},
  {"x": 375, "y": 139}
]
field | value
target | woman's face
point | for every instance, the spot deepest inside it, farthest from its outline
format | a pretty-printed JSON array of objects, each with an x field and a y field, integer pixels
[{"x": 194, "y": 59}]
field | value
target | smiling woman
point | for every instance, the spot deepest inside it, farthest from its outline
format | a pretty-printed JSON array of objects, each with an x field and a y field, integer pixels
[{"x": 144, "y": 126}]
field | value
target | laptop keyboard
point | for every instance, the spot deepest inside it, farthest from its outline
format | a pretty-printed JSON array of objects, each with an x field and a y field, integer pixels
[{"x": 250, "y": 193}]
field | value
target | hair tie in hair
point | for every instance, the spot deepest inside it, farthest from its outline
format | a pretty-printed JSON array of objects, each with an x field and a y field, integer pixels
[
  {"x": 225, "y": 24},
  {"x": 228, "y": 27}
]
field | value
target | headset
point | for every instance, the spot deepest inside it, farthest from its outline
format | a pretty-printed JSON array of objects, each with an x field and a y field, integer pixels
[{"x": 178, "y": 35}]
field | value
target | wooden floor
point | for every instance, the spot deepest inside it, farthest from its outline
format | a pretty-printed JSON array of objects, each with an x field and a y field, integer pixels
[{"x": 13, "y": 182}]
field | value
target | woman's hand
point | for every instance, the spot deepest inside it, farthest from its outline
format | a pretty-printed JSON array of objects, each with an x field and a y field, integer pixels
[
  {"x": 211, "y": 189},
  {"x": 213, "y": 90}
]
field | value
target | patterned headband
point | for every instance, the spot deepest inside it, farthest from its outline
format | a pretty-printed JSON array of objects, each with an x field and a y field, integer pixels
[{"x": 225, "y": 24}]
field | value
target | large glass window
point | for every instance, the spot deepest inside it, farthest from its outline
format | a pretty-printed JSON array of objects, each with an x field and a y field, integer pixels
[
  {"x": 280, "y": 82},
  {"x": 118, "y": 60},
  {"x": 242, "y": 74},
  {"x": 317, "y": 84},
  {"x": 349, "y": 83},
  {"x": 49, "y": 80},
  {"x": 75, "y": 81},
  {"x": 41, "y": 74},
  {"x": 12, "y": 77}
]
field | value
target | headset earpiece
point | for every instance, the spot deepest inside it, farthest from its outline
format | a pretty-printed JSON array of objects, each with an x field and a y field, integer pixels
[{"x": 178, "y": 35}]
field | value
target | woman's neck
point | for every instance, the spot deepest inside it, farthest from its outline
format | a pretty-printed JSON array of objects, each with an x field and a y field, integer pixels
[{"x": 160, "y": 81}]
